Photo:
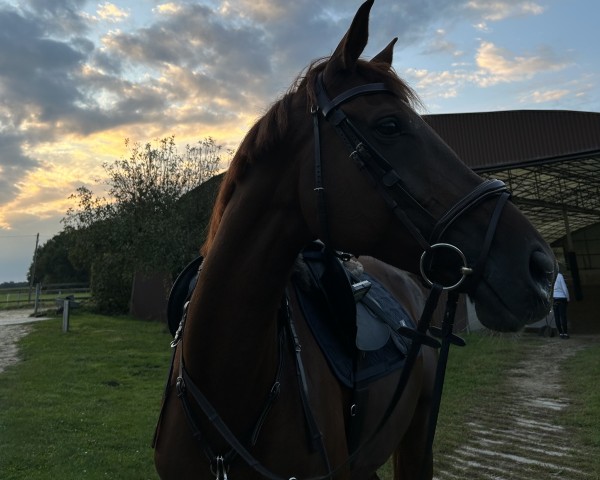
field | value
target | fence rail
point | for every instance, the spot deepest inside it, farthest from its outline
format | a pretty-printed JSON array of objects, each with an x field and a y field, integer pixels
[{"x": 43, "y": 295}]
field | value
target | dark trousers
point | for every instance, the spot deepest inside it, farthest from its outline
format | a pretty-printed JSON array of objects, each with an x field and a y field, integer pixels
[{"x": 560, "y": 315}]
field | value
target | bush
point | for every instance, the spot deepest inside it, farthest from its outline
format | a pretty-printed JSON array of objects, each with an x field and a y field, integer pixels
[{"x": 111, "y": 285}]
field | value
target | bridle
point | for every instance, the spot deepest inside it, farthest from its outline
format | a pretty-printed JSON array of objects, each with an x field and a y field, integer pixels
[
  {"x": 391, "y": 186},
  {"x": 398, "y": 198}
]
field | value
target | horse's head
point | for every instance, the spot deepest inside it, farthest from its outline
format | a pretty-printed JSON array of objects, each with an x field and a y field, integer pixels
[{"x": 402, "y": 189}]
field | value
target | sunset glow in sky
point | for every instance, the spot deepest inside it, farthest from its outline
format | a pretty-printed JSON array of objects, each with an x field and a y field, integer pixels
[{"x": 78, "y": 77}]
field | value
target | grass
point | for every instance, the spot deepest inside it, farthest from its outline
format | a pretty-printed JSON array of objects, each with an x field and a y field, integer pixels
[
  {"x": 83, "y": 404},
  {"x": 581, "y": 376},
  {"x": 473, "y": 371},
  {"x": 476, "y": 374}
]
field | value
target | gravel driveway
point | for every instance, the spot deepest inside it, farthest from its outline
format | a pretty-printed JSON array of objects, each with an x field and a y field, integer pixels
[
  {"x": 517, "y": 436},
  {"x": 14, "y": 325}
]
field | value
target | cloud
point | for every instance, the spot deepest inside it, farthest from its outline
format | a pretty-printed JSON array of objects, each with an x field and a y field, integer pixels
[
  {"x": 499, "y": 65},
  {"x": 495, "y": 10},
  {"x": 110, "y": 12},
  {"x": 486, "y": 11},
  {"x": 13, "y": 164},
  {"x": 61, "y": 18},
  {"x": 545, "y": 96},
  {"x": 493, "y": 66},
  {"x": 167, "y": 8},
  {"x": 445, "y": 84},
  {"x": 441, "y": 44},
  {"x": 569, "y": 91},
  {"x": 194, "y": 37},
  {"x": 38, "y": 80}
]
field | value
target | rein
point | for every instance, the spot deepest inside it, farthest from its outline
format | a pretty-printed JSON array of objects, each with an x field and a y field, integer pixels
[
  {"x": 397, "y": 197},
  {"x": 219, "y": 463}
]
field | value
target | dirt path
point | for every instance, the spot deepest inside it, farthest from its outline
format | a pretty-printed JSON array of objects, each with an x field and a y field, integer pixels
[
  {"x": 14, "y": 324},
  {"x": 517, "y": 437}
]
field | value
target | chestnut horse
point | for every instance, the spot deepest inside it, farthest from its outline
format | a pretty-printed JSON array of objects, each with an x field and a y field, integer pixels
[{"x": 402, "y": 191}]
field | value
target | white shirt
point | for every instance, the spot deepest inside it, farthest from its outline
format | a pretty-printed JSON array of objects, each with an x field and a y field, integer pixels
[{"x": 560, "y": 287}]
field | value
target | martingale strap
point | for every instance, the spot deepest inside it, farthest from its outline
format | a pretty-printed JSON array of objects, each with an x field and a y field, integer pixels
[{"x": 186, "y": 388}]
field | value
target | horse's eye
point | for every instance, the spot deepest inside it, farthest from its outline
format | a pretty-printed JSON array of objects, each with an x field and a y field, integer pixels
[{"x": 388, "y": 127}]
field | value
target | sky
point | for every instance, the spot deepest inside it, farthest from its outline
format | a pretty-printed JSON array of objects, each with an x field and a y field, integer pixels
[{"x": 77, "y": 78}]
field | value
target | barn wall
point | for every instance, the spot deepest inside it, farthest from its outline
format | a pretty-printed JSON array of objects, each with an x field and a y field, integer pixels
[{"x": 583, "y": 312}]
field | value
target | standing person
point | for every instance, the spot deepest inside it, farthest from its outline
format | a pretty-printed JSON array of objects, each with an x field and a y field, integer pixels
[{"x": 561, "y": 299}]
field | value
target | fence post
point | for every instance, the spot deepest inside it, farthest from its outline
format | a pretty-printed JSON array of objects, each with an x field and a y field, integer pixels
[
  {"x": 65, "y": 324},
  {"x": 36, "y": 301}
]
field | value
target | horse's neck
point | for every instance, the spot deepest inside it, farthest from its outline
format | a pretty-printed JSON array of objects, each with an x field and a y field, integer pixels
[{"x": 233, "y": 310}]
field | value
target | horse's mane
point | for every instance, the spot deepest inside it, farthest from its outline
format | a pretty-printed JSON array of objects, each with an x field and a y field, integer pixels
[{"x": 270, "y": 129}]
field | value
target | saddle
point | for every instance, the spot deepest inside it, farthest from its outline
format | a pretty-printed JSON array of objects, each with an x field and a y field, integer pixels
[
  {"x": 352, "y": 316},
  {"x": 354, "y": 319}
]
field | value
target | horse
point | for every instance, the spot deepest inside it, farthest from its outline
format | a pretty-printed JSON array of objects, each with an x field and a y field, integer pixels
[{"x": 343, "y": 157}]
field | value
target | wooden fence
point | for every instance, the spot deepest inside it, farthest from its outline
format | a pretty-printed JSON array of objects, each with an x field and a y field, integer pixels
[{"x": 43, "y": 295}]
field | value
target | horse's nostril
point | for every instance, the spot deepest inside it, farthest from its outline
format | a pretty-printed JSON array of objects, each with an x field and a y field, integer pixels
[{"x": 542, "y": 269}]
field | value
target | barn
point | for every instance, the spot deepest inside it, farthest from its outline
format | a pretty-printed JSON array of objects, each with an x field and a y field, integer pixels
[{"x": 550, "y": 160}]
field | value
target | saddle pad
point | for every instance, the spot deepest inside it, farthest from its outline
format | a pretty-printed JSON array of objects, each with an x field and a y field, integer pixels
[{"x": 364, "y": 366}]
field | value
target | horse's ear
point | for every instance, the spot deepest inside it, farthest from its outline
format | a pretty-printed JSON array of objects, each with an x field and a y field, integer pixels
[
  {"x": 352, "y": 45},
  {"x": 387, "y": 54}
]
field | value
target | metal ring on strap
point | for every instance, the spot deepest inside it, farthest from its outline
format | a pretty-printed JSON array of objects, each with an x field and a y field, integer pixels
[{"x": 464, "y": 270}]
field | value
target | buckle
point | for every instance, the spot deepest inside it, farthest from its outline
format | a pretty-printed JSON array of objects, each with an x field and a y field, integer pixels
[{"x": 180, "y": 387}]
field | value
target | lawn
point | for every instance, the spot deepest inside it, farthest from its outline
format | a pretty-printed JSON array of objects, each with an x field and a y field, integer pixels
[
  {"x": 84, "y": 404},
  {"x": 581, "y": 375}
]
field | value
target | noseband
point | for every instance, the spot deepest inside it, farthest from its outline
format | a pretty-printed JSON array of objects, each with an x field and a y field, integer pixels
[{"x": 391, "y": 187}]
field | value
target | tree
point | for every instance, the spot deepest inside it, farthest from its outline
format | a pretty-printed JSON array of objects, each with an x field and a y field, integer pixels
[
  {"x": 53, "y": 264},
  {"x": 139, "y": 226}
]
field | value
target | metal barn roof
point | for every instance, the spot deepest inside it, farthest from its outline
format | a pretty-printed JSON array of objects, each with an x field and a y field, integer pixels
[{"x": 550, "y": 159}]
